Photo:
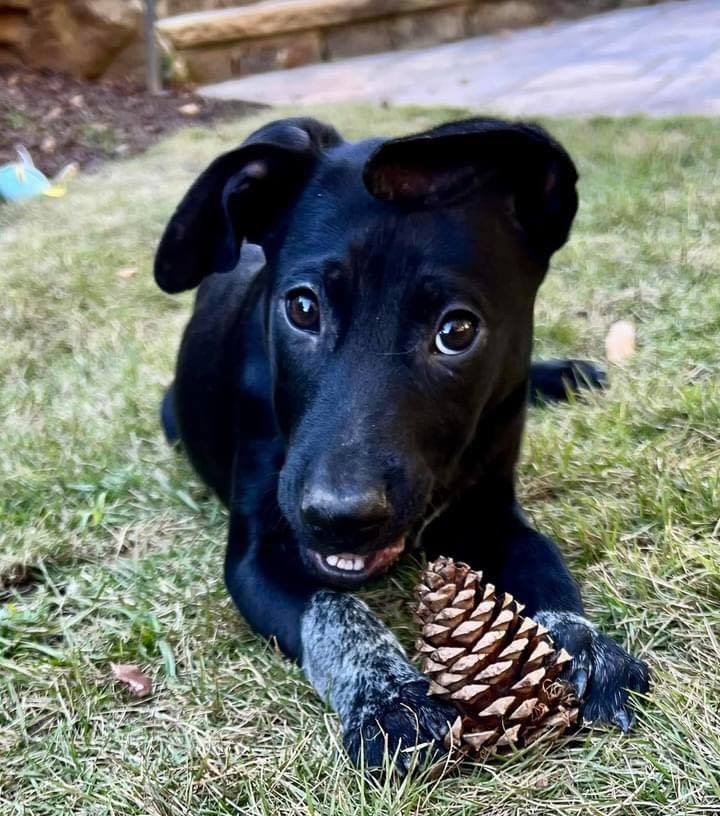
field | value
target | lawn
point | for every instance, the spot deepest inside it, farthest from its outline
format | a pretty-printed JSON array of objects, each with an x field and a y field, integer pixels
[{"x": 111, "y": 551}]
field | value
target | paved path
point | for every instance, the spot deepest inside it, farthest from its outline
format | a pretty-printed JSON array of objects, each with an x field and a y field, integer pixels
[{"x": 661, "y": 59}]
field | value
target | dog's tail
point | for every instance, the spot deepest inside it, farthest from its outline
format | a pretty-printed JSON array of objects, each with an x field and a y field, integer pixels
[
  {"x": 557, "y": 380},
  {"x": 167, "y": 417}
]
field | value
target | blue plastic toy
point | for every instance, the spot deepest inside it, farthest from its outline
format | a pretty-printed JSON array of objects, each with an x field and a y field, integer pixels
[{"x": 21, "y": 180}]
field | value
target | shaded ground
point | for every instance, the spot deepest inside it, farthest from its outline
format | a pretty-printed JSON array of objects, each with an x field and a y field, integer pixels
[
  {"x": 60, "y": 119},
  {"x": 124, "y": 549}
]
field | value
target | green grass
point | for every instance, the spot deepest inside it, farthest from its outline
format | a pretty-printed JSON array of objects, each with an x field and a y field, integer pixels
[{"x": 110, "y": 549}]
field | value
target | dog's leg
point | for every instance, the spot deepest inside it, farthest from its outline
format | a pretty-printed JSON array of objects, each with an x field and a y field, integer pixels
[
  {"x": 349, "y": 656},
  {"x": 529, "y": 566},
  {"x": 355, "y": 662},
  {"x": 553, "y": 380}
]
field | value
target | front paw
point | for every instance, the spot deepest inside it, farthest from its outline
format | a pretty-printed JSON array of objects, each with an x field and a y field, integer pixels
[
  {"x": 406, "y": 726},
  {"x": 602, "y": 672}
]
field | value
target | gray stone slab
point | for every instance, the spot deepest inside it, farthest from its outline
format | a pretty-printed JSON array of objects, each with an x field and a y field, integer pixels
[{"x": 660, "y": 59}]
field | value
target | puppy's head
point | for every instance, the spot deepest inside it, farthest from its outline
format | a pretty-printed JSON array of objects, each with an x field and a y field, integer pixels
[{"x": 398, "y": 308}]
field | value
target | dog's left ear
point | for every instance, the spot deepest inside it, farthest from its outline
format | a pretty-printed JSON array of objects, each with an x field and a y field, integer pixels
[
  {"x": 451, "y": 164},
  {"x": 241, "y": 195}
]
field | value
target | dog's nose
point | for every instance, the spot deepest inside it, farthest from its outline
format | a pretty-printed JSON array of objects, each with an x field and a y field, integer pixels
[{"x": 344, "y": 511}]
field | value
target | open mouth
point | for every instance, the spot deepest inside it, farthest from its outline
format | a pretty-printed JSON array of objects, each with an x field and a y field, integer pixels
[{"x": 354, "y": 568}]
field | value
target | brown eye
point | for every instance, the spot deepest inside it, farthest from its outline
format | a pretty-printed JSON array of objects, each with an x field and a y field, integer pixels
[
  {"x": 457, "y": 332},
  {"x": 303, "y": 310}
]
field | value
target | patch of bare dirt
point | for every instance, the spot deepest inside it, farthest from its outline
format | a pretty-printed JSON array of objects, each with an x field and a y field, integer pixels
[{"x": 60, "y": 119}]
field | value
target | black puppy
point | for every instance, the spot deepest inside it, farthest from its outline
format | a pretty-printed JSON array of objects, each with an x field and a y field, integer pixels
[{"x": 358, "y": 388}]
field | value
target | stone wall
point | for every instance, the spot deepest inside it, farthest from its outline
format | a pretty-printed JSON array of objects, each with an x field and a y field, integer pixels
[
  {"x": 94, "y": 38},
  {"x": 255, "y": 38},
  {"x": 184, "y": 6}
]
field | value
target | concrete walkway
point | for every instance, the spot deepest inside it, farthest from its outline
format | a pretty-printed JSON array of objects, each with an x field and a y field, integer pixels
[{"x": 660, "y": 59}]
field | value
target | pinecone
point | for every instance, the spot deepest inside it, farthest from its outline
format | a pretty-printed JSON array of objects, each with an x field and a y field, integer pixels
[{"x": 498, "y": 668}]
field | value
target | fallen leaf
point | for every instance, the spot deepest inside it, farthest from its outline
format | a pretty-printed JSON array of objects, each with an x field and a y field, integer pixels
[
  {"x": 53, "y": 114},
  {"x": 131, "y": 675},
  {"x": 48, "y": 144},
  {"x": 191, "y": 109},
  {"x": 126, "y": 272},
  {"x": 620, "y": 341}
]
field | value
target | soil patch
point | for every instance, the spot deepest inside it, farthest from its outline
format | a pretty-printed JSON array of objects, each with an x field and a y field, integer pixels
[{"x": 60, "y": 119}]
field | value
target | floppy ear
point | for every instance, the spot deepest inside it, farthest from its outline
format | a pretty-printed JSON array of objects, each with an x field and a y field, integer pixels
[
  {"x": 450, "y": 164},
  {"x": 241, "y": 195}
]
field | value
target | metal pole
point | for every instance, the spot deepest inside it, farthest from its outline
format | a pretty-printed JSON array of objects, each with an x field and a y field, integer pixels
[{"x": 152, "y": 64}]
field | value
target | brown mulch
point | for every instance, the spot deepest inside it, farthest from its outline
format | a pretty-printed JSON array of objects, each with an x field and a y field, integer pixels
[{"x": 61, "y": 120}]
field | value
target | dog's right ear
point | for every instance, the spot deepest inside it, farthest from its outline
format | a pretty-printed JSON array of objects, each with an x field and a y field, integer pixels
[{"x": 241, "y": 195}]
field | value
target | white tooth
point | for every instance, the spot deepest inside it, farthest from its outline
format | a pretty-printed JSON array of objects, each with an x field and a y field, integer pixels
[
  {"x": 332, "y": 560},
  {"x": 344, "y": 564},
  {"x": 358, "y": 563}
]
